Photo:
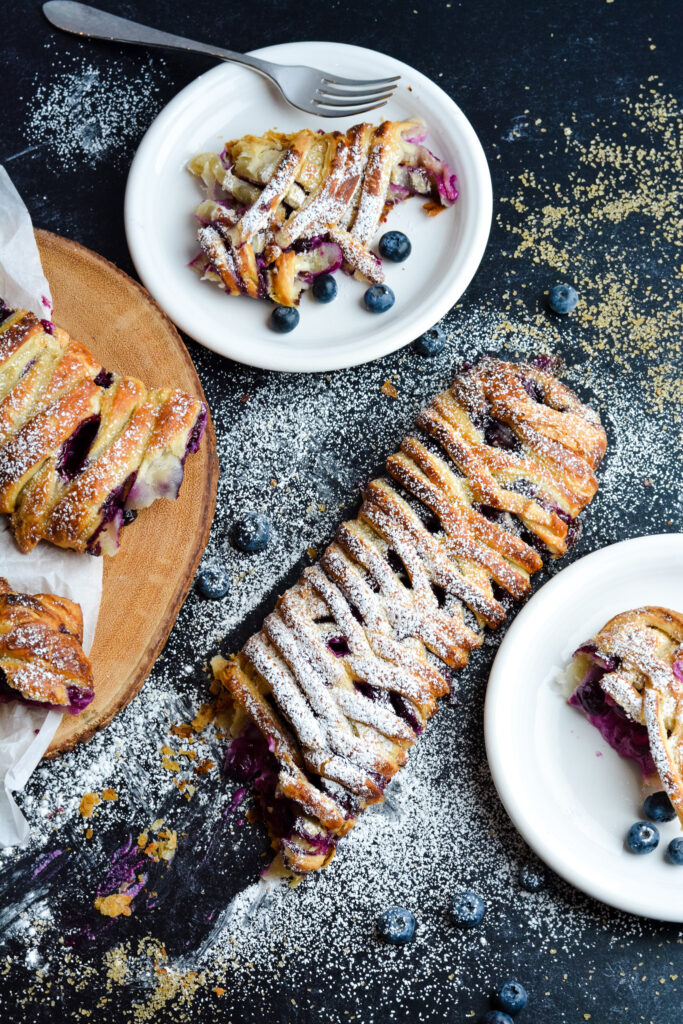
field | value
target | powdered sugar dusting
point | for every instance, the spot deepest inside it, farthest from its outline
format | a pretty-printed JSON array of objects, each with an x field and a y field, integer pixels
[{"x": 86, "y": 114}]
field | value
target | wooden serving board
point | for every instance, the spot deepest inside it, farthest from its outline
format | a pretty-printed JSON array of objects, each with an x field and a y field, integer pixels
[{"x": 146, "y": 583}]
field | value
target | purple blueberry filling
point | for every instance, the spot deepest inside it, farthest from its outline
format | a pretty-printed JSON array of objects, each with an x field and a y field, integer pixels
[
  {"x": 103, "y": 378},
  {"x": 250, "y": 760},
  {"x": 339, "y": 645},
  {"x": 106, "y": 536},
  {"x": 78, "y": 698},
  {"x": 75, "y": 449},
  {"x": 48, "y": 326},
  {"x": 500, "y": 435},
  {"x": 5, "y": 311},
  {"x": 627, "y": 737}
]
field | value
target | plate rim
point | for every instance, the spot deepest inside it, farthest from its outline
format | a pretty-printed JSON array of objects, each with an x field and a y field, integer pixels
[
  {"x": 631, "y": 903},
  {"x": 283, "y": 359}
]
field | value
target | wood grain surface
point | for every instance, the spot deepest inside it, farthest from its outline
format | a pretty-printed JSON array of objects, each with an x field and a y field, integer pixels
[{"x": 146, "y": 583}]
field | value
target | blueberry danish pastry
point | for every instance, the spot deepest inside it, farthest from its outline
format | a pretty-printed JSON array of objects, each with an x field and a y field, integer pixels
[
  {"x": 82, "y": 449},
  {"x": 340, "y": 681},
  {"x": 631, "y": 690},
  {"x": 281, "y": 209},
  {"x": 41, "y": 659}
]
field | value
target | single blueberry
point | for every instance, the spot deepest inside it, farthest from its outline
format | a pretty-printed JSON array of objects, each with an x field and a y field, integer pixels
[
  {"x": 284, "y": 319},
  {"x": 674, "y": 851},
  {"x": 379, "y": 298},
  {"x": 431, "y": 342},
  {"x": 396, "y": 925},
  {"x": 213, "y": 583},
  {"x": 252, "y": 532},
  {"x": 467, "y": 909},
  {"x": 642, "y": 837},
  {"x": 658, "y": 807},
  {"x": 395, "y": 246},
  {"x": 531, "y": 878},
  {"x": 495, "y": 1017},
  {"x": 563, "y": 298},
  {"x": 511, "y": 997},
  {"x": 324, "y": 288}
]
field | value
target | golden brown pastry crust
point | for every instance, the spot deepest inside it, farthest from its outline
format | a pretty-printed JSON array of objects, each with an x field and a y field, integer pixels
[
  {"x": 41, "y": 657},
  {"x": 647, "y": 644},
  {"x": 80, "y": 448},
  {"x": 268, "y": 193},
  {"x": 347, "y": 670}
]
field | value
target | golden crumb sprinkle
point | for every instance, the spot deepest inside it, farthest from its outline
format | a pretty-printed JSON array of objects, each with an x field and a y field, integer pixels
[
  {"x": 109, "y": 794},
  {"x": 115, "y": 905},
  {"x": 89, "y": 802},
  {"x": 183, "y": 731},
  {"x": 219, "y": 991},
  {"x": 389, "y": 390},
  {"x": 203, "y": 717}
]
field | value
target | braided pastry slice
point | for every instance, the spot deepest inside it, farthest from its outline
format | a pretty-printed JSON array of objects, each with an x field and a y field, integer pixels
[
  {"x": 338, "y": 684},
  {"x": 281, "y": 209},
  {"x": 82, "y": 449},
  {"x": 41, "y": 659},
  {"x": 631, "y": 689}
]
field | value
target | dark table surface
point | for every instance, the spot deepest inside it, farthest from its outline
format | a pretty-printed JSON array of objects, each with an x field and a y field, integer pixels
[{"x": 576, "y": 105}]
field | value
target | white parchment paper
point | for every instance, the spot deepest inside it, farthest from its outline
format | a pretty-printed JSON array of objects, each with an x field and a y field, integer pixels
[{"x": 26, "y": 733}]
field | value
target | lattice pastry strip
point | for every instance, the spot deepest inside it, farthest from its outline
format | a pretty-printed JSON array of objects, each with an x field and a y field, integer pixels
[
  {"x": 282, "y": 208},
  {"x": 635, "y": 665},
  {"x": 82, "y": 449},
  {"x": 41, "y": 658},
  {"x": 338, "y": 684}
]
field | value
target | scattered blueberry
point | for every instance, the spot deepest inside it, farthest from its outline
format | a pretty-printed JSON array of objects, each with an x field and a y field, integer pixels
[
  {"x": 252, "y": 532},
  {"x": 511, "y": 997},
  {"x": 395, "y": 246},
  {"x": 530, "y": 878},
  {"x": 284, "y": 319},
  {"x": 495, "y": 1017},
  {"x": 642, "y": 837},
  {"x": 430, "y": 343},
  {"x": 563, "y": 298},
  {"x": 674, "y": 852},
  {"x": 396, "y": 925},
  {"x": 213, "y": 583},
  {"x": 467, "y": 909},
  {"x": 658, "y": 807},
  {"x": 379, "y": 298},
  {"x": 324, "y": 288}
]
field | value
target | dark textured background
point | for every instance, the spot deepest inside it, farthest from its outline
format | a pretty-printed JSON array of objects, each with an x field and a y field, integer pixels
[{"x": 497, "y": 60}]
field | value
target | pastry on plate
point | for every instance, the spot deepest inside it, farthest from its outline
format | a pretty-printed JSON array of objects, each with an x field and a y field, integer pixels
[
  {"x": 82, "y": 448},
  {"x": 340, "y": 681},
  {"x": 631, "y": 690},
  {"x": 41, "y": 658},
  {"x": 282, "y": 208}
]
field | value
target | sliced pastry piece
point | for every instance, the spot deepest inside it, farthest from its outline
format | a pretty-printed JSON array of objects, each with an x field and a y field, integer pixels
[
  {"x": 340, "y": 681},
  {"x": 82, "y": 449},
  {"x": 631, "y": 690},
  {"x": 41, "y": 658},
  {"x": 280, "y": 209}
]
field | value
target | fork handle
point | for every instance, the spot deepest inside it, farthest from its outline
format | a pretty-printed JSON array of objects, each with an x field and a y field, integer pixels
[{"x": 89, "y": 21}]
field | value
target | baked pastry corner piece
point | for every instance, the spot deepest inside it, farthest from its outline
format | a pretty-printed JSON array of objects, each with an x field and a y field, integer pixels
[
  {"x": 342, "y": 678},
  {"x": 631, "y": 689},
  {"x": 279, "y": 209},
  {"x": 82, "y": 449},
  {"x": 41, "y": 658}
]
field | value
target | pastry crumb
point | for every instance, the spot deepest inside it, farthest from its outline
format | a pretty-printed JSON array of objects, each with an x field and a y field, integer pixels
[
  {"x": 89, "y": 802},
  {"x": 115, "y": 905},
  {"x": 389, "y": 390}
]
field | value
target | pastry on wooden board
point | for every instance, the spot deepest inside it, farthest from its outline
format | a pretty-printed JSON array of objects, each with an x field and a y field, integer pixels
[
  {"x": 340, "y": 681},
  {"x": 282, "y": 208},
  {"x": 631, "y": 690},
  {"x": 41, "y": 658},
  {"x": 82, "y": 449}
]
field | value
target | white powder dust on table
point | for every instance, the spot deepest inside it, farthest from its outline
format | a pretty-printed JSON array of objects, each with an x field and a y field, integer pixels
[
  {"x": 292, "y": 448},
  {"x": 83, "y": 114}
]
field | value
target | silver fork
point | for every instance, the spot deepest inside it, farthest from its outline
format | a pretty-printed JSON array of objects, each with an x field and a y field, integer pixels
[{"x": 309, "y": 89}]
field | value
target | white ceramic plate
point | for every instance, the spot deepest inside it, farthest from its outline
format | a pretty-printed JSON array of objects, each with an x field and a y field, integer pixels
[
  {"x": 230, "y": 101},
  {"x": 571, "y": 796}
]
